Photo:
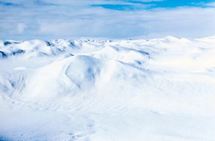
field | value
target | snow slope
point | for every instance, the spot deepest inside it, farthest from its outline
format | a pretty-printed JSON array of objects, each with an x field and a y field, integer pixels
[{"x": 108, "y": 90}]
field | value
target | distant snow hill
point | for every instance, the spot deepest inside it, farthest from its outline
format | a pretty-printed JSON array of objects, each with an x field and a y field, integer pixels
[{"x": 108, "y": 90}]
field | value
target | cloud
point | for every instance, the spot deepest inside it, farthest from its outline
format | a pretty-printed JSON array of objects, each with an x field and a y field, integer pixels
[
  {"x": 21, "y": 28},
  {"x": 211, "y": 4},
  {"x": 73, "y": 19}
]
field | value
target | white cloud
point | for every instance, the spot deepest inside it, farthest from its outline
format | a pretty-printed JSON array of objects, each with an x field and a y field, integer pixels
[
  {"x": 211, "y": 4},
  {"x": 77, "y": 19},
  {"x": 190, "y": 22},
  {"x": 21, "y": 27}
]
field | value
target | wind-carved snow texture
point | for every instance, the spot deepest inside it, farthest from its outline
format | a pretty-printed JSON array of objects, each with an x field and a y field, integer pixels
[{"x": 100, "y": 90}]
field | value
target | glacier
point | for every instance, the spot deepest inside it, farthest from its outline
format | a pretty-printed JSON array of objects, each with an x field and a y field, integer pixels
[{"x": 159, "y": 89}]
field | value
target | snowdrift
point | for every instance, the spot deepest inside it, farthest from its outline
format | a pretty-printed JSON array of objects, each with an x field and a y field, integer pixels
[{"x": 108, "y": 90}]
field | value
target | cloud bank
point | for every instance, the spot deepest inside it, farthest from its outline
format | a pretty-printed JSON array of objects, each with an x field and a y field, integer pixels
[{"x": 48, "y": 19}]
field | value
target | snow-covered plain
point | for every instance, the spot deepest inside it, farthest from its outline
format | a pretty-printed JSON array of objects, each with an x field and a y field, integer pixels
[{"x": 108, "y": 90}]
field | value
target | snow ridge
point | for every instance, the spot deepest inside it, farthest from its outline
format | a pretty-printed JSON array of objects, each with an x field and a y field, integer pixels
[{"x": 107, "y": 90}]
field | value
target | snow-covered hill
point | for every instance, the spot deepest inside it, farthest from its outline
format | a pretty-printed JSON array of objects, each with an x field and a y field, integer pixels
[{"x": 108, "y": 90}]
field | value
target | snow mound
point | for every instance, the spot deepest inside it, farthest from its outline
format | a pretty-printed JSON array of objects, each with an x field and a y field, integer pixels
[{"x": 108, "y": 90}]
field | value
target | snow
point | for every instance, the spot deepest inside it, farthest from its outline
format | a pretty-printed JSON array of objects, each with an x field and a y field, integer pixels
[{"x": 108, "y": 90}]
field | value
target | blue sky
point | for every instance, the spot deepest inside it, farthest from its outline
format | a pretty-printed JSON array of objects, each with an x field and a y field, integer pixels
[
  {"x": 153, "y": 4},
  {"x": 51, "y": 19}
]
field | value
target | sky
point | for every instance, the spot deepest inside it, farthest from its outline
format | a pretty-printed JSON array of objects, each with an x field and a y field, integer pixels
[{"x": 112, "y": 19}]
